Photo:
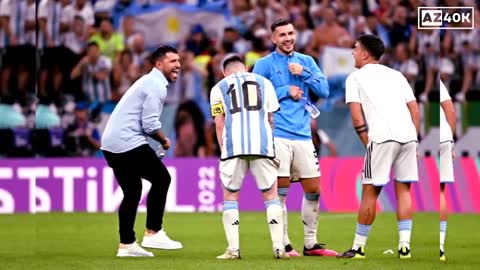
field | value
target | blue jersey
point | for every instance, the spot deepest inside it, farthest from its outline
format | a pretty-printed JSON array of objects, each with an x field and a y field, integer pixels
[
  {"x": 245, "y": 99},
  {"x": 293, "y": 120}
]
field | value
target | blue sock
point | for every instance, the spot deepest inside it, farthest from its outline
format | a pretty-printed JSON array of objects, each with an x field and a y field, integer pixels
[
  {"x": 443, "y": 232},
  {"x": 404, "y": 233},
  {"x": 361, "y": 235}
]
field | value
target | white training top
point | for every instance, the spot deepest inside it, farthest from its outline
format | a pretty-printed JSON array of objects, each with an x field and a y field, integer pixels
[
  {"x": 384, "y": 94},
  {"x": 445, "y": 129}
]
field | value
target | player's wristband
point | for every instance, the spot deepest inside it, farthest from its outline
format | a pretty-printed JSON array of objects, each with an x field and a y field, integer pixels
[{"x": 361, "y": 129}]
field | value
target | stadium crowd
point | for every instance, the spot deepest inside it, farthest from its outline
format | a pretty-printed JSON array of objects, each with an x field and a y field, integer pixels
[{"x": 85, "y": 61}]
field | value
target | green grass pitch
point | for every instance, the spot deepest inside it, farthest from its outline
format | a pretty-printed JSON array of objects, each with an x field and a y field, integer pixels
[{"x": 89, "y": 241}]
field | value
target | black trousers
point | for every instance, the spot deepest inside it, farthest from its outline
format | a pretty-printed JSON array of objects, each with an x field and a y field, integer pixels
[{"x": 129, "y": 169}]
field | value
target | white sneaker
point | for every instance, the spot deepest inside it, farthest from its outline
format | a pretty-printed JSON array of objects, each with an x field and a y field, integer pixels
[
  {"x": 280, "y": 254},
  {"x": 160, "y": 240},
  {"x": 230, "y": 255},
  {"x": 134, "y": 250}
]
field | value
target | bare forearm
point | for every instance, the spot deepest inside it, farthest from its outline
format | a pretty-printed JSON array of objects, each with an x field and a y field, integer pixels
[
  {"x": 219, "y": 125},
  {"x": 415, "y": 114},
  {"x": 159, "y": 136},
  {"x": 449, "y": 110}
]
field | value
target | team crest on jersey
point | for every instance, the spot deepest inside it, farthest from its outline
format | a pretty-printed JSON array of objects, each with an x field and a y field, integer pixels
[{"x": 217, "y": 109}]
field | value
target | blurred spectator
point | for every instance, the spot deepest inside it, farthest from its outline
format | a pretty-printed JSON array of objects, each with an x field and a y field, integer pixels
[
  {"x": 136, "y": 44},
  {"x": 189, "y": 130},
  {"x": 125, "y": 73},
  {"x": 464, "y": 46},
  {"x": 329, "y": 33},
  {"x": 240, "y": 45},
  {"x": 127, "y": 29},
  {"x": 242, "y": 15},
  {"x": 259, "y": 50},
  {"x": 17, "y": 36},
  {"x": 57, "y": 62},
  {"x": 304, "y": 34},
  {"x": 190, "y": 84},
  {"x": 82, "y": 137},
  {"x": 95, "y": 71},
  {"x": 198, "y": 41},
  {"x": 268, "y": 11},
  {"x": 401, "y": 30},
  {"x": 84, "y": 9},
  {"x": 428, "y": 49},
  {"x": 405, "y": 64},
  {"x": 110, "y": 42}
]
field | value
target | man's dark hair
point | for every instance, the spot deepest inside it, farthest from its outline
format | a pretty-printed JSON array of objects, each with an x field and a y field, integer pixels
[
  {"x": 231, "y": 58},
  {"x": 280, "y": 22},
  {"x": 373, "y": 45},
  {"x": 92, "y": 44},
  {"x": 160, "y": 52}
]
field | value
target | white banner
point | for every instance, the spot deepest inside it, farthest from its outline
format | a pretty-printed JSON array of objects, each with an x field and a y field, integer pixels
[{"x": 171, "y": 25}]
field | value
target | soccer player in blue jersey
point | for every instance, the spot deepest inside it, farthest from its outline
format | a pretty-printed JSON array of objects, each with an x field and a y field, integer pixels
[
  {"x": 242, "y": 105},
  {"x": 293, "y": 75}
]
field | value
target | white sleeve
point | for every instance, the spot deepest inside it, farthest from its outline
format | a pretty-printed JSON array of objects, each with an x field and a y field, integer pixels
[
  {"x": 444, "y": 96},
  {"x": 43, "y": 9},
  {"x": 271, "y": 96},
  {"x": 352, "y": 91},
  {"x": 89, "y": 16},
  {"x": 5, "y": 6},
  {"x": 66, "y": 15},
  {"x": 216, "y": 106},
  {"x": 31, "y": 13},
  {"x": 407, "y": 89}
]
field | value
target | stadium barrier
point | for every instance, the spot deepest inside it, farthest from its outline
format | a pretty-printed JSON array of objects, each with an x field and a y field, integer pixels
[{"x": 88, "y": 185}]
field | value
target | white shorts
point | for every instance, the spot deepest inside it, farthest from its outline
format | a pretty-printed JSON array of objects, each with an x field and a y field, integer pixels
[
  {"x": 446, "y": 162},
  {"x": 298, "y": 159},
  {"x": 381, "y": 157},
  {"x": 233, "y": 171}
]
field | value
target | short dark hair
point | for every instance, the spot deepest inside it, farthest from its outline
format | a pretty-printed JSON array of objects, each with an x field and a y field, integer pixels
[
  {"x": 160, "y": 52},
  {"x": 373, "y": 45},
  {"x": 230, "y": 59},
  {"x": 92, "y": 44},
  {"x": 280, "y": 22}
]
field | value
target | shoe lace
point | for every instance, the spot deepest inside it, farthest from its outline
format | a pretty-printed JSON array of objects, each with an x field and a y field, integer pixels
[{"x": 319, "y": 246}]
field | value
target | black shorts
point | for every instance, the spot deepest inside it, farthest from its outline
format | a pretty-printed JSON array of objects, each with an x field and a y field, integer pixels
[
  {"x": 21, "y": 56},
  {"x": 59, "y": 57}
]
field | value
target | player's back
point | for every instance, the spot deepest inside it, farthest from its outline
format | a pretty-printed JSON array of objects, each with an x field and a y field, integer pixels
[
  {"x": 384, "y": 94},
  {"x": 247, "y": 99}
]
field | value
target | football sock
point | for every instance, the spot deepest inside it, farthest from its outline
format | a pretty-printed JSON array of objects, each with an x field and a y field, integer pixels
[
  {"x": 275, "y": 222},
  {"x": 404, "y": 233},
  {"x": 443, "y": 232},
  {"x": 310, "y": 218},
  {"x": 231, "y": 224},
  {"x": 282, "y": 195},
  {"x": 361, "y": 235}
]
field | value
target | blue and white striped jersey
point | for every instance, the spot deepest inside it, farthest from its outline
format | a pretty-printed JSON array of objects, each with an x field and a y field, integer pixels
[{"x": 245, "y": 99}]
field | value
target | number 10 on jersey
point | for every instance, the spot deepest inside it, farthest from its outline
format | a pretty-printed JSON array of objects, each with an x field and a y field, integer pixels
[{"x": 251, "y": 95}]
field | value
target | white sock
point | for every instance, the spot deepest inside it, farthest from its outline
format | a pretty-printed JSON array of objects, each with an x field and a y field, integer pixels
[
  {"x": 231, "y": 224},
  {"x": 282, "y": 196},
  {"x": 361, "y": 235},
  {"x": 310, "y": 218},
  {"x": 404, "y": 233},
  {"x": 443, "y": 232},
  {"x": 275, "y": 223}
]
